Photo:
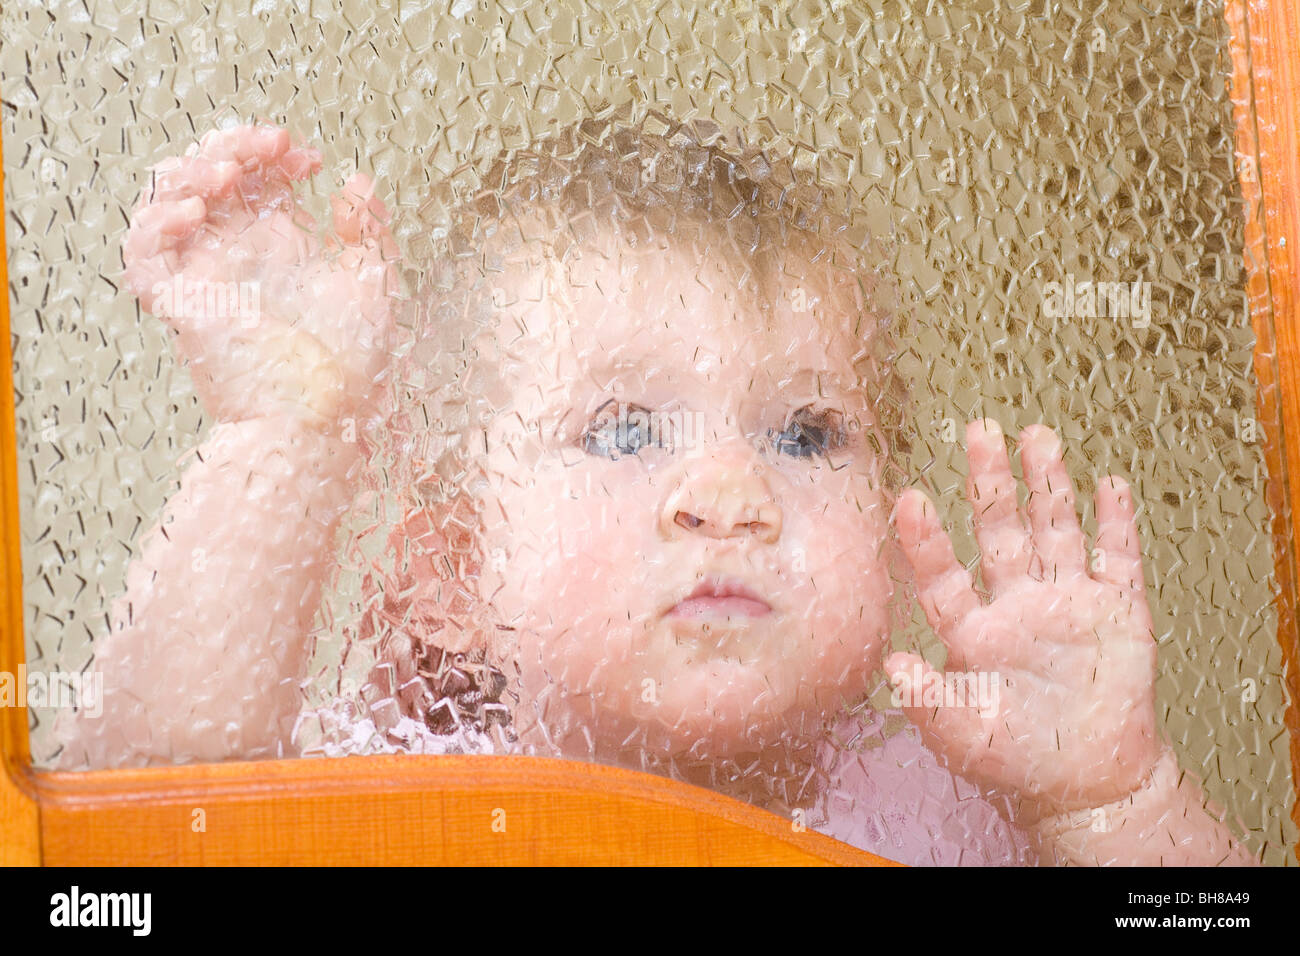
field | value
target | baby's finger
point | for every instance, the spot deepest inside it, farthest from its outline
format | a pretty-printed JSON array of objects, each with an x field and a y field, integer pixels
[
  {"x": 1006, "y": 551},
  {"x": 358, "y": 213},
  {"x": 148, "y": 252},
  {"x": 162, "y": 225},
  {"x": 300, "y": 162},
  {"x": 1118, "y": 555},
  {"x": 943, "y": 585},
  {"x": 176, "y": 178},
  {"x": 1058, "y": 539},
  {"x": 246, "y": 145}
]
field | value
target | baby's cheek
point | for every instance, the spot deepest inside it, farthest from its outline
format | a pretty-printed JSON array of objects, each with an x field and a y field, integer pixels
[
  {"x": 847, "y": 590},
  {"x": 572, "y": 572}
]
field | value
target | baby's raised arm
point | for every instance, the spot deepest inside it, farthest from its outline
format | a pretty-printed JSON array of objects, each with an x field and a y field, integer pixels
[{"x": 287, "y": 339}]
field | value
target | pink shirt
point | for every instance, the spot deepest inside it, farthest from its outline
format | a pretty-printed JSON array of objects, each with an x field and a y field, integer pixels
[{"x": 896, "y": 800}]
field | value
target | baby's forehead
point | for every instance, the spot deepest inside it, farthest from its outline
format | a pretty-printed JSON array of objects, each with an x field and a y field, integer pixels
[{"x": 682, "y": 305}]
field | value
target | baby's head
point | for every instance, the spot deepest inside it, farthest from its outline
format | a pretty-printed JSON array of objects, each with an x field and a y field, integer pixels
[{"x": 647, "y": 437}]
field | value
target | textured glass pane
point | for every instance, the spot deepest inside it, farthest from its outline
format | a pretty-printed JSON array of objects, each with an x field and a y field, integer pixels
[{"x": 560, "y": 378}]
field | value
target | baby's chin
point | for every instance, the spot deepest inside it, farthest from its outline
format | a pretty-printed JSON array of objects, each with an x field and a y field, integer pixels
[
  {"x": 735, "y": 686},
  {"x": 750, "y": 712},
  {"x": 741, "y": 715},
  {"x": 723, "y": 707}
]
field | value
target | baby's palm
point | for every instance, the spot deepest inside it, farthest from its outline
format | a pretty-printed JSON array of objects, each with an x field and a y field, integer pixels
[
  {"x": 224, "y": 217},
  {"x": 1072, "y": 647}
]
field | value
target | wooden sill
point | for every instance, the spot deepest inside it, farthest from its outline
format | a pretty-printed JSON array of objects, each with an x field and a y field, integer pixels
[
  {"x": 441, "y": 810},
  {"x": 409, "y": 810}
]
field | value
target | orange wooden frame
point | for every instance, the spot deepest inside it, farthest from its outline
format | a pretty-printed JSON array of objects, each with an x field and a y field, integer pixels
[{"x": 501, "y": 810}]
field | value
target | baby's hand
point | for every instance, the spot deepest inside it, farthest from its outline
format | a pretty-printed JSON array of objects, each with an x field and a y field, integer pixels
[
  {"x": 1074, "y": 725},
  {"x": 267, "y": 316}
]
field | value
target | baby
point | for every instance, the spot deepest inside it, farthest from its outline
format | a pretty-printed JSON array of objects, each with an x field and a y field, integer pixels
[{"x": 655, "y": 497}]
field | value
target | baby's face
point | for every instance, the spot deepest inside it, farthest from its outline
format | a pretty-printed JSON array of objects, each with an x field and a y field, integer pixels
[{"x": 685, "y": 525}]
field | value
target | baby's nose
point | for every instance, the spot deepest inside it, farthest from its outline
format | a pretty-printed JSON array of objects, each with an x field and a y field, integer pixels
[{"x": 723, "y": 495}]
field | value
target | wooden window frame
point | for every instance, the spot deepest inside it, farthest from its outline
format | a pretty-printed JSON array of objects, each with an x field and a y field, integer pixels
[{"x": 439, "y": 810}]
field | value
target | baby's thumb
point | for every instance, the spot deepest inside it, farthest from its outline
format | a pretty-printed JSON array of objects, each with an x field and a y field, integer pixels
[{"x": 947, "y": 721}]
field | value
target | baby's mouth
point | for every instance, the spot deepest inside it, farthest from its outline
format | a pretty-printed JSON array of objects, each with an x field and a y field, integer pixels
[{"x": 717, "y": 599}]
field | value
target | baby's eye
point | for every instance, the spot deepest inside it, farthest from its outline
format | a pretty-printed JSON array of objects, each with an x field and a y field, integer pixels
[
  {"x": 621, "y": 429},
  {"x": 809, "y": 432}
]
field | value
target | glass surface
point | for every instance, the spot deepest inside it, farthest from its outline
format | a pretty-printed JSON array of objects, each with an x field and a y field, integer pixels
[{"x": 547, "y": 378}]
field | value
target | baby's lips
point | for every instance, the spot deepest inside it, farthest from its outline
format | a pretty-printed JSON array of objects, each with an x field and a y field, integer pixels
[
  {"x": 705, "y": 607},
  {"x": 720, "y": 596}
]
